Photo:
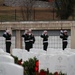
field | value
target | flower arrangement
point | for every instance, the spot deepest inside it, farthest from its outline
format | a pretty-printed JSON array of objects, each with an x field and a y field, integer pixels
[
  {"x": 43, "y": 72},
  {"x": 31, "y": 67}
]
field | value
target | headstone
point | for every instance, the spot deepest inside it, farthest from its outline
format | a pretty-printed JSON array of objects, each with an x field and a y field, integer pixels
[
  {"x": 39, "y": 51},
  {"x": 4, "y": 53},
  {"x": 70, "y": 50},
  {"x": 54, "y": 51},
  {"x": 71, "y": 69},
  {"x": 56, "y": 63},
  {"x": 67, "y": 52},
  {"x": 6, "y": 58},
  {"x": 25, "y": 55},
  {"x": 42, "y": 62},
  {"x": 32, "y": 55},
  {"x": 17, "y": 52},
  {"x": 36, "y": 50},
  {"x": 58, "y": 60},
  {"x": 1, "y": 50},
  {"x": 10, "y": 69}
]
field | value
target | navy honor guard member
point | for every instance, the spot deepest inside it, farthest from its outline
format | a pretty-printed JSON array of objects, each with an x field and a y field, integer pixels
[
  {"x": 64, "y": 37},
  {"x": 45, "y": 40},
  {"x": 7, "y": 36},
  {"x": 29, "y": 39},
  {"x": 26, "y": 40}
]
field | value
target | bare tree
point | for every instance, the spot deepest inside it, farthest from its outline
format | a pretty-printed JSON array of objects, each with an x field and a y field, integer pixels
[
  {"x": 65, "y": 8},
  {"x": 28, "y": 4}
]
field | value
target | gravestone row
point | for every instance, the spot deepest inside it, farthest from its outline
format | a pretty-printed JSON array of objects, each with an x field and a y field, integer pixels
[{"x": 52, "y": 59}]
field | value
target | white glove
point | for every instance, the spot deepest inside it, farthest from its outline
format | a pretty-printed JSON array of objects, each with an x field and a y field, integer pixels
[
  {"x": 42, "y": 33},
  {"x": 5, "y": 32},
  {"x": 61, "y": 31}
]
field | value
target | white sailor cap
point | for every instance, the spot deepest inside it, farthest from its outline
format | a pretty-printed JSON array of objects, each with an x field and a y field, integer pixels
[
  {"x": 45, "y": 31},
  {"x": 30, "y": 29},
  {"x": 61, "y": 31},
  {"x": 7, "y": 31},
  {"x": 65, "y": 31}
]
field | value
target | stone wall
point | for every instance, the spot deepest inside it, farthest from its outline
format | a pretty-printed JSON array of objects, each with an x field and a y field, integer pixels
[{"x": 37, "y": 25}]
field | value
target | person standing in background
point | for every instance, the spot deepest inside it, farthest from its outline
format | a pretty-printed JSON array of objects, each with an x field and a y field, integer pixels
[
  {"x": 64, "y": 37},
  {"x": 45, "y": 40},
  {"x": 31, "y": 38},
  {"x": 7, "y": 36},
  {"x": 26, "y": 40}
]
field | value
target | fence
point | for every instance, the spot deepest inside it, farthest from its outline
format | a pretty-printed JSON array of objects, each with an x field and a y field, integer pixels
[{"x": 22, "y": 14}]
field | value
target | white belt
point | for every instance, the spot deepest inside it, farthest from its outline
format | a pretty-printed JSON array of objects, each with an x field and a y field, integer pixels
[
  {"x": 27, "y": 41},
  {"x": 64, "y": 40},
  {"x": 8, "y": 40},
  {"x": 45, "y": 41},
  {"x": 31, "y": 40}
]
